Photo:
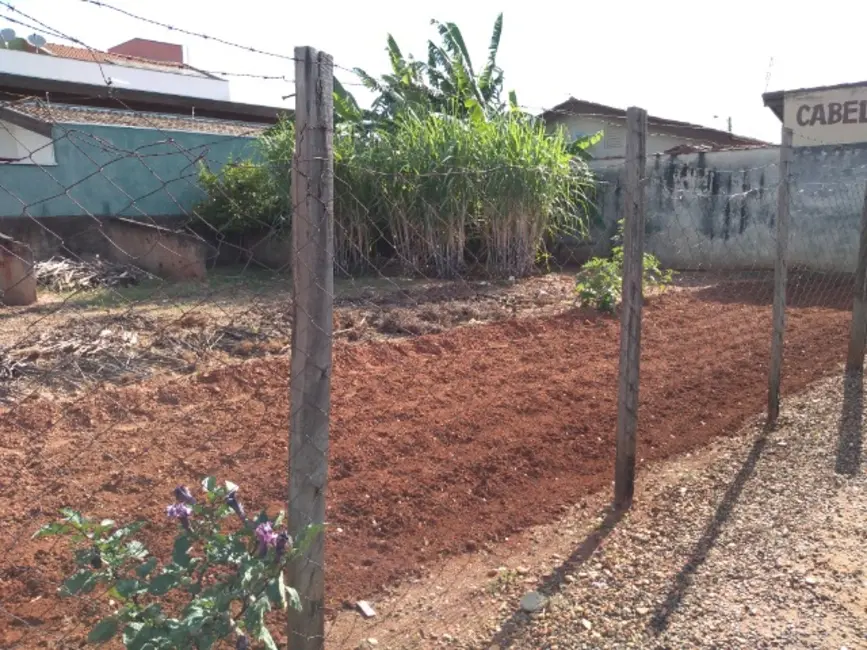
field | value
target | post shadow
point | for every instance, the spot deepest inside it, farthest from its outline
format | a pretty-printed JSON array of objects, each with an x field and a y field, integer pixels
[
  {"x": 554, "y": 581},
  {"x": 682, "y": 582},
  {"x": 850, "y": 434}
]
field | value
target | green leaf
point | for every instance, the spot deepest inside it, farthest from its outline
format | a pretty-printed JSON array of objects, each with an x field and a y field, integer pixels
[
  {"x": 54, "y": 528},
  {"x": 293, "y": 599},
  {"x": 135, "y": 550},
  {"x": 209, "y": 484},
  {"x": 130, "y": 632},
  {"x": 81, "y": 582},
  {"x": 128, "y": 587},
  {"x": 254, "y": 617},
  {"x": 308, "y": 535},
  {"x": 180, "y": 554},
  {"x": 145, "y": 568},
  {"x": 266, "y": 639},
  {"x": 104, "y": 630},
  {"x": 164, "y": 583},
  {"x": 138, "y": 636},
  {"x": 276, "y": 590},
  {"x": 194, "y": 618},
  {"x": 73, "y": 517}
]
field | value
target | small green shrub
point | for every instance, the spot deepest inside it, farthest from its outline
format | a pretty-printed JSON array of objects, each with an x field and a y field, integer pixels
[
  {"x": 219, "y": 582},
  {"x": 599, "y": 283},
  {"x": 243, "y": 197}
]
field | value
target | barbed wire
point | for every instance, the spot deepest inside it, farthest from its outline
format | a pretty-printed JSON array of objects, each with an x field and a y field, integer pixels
[{"x": 186, "y": 32}]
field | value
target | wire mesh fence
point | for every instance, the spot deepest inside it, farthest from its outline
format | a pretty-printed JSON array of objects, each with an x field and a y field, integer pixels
[{"x": 167, "y": 277}]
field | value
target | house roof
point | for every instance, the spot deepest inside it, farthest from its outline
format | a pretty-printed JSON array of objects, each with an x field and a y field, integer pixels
[
  {"x": 15, "y": 87},
  {"x": 573, "y": 106},
  {"x": 109, "y": 58},
  {"x": 775, "y": 99},
  {"x": 32, "y": 113}
]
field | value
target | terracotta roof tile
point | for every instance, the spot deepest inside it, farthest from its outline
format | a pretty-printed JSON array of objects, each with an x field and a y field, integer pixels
[
  {"x": 67, "y": 114},
  {"x": 97, "y": 56}
]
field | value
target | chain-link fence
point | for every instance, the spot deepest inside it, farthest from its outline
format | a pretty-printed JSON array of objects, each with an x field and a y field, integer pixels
[{"x": 452, "y": 385}]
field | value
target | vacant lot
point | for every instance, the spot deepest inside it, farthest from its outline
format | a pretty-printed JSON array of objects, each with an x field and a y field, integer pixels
[
  {"x": 441, "y": 443},
  {"x": 74, "y": 339}
]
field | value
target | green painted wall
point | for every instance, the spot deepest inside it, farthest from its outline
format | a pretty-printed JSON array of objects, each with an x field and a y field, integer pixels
[{"x": 116, "y": 171}]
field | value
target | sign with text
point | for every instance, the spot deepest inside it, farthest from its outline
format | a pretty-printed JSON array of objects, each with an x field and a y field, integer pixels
[{"x": 822, "y": 117}]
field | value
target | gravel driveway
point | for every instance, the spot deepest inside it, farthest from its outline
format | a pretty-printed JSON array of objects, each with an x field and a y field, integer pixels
[{"x": 765, "y": 546}]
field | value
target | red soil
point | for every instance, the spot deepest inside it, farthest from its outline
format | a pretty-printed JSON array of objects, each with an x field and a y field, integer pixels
[{"x": 438, "y": 443}]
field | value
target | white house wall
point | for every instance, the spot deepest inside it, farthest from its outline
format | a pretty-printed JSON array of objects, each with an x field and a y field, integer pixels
[
  {"x": 25, "y": 147},
  {"x": 827, "y": 117},
  {"x": 43, "y": 66},
  {"x": 613, "y": 143}
]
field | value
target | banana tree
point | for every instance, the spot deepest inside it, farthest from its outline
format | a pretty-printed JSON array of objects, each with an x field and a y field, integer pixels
[
  {"x": 446, "y": 82},
  {"x": 450, "y": 71}
]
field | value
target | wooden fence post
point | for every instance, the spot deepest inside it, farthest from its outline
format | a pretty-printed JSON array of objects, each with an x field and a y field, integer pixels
[
  {"x": 310, "y": 373},
  {"x": 858, "y": 330},
  {"x": 780, "y": 273},
  {"x": 630, "y": 315}
]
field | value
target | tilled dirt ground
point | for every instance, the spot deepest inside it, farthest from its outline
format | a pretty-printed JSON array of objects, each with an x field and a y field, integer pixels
[
  {"x": 441, "y": 444},
  {"x": 752, "y": 542}
]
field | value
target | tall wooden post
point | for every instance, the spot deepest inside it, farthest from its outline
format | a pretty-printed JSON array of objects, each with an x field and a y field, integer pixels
[
  {"x": 858, "y": 330},
  {"x": 780, "y": 276},
  {"x": 310, "y": 380},
  {"x": 630, "y": 316}
]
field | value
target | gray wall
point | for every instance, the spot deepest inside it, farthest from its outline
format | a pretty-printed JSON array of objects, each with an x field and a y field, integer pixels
[{"x": 717, "y": 211}]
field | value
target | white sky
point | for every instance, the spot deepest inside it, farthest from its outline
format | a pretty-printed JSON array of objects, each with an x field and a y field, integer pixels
[{"x": 679, "y": 59}]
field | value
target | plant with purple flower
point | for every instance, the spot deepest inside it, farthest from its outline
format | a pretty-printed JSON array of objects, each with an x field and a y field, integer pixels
[
  {"x": 180, "y": 511},
  {"x": 243, "y": 581},
  {"x": 235, "y": 505},
  {"x": 183, "y": 494}
]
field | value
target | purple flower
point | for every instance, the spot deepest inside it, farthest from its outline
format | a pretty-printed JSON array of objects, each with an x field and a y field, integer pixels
[
  {"x": 243, "y": 642},
  {"x": 266, "y": 536},
  {"x": 180, "y": 511},
  {"x": 283, "y": 542},
  {"x": 234, "y": 504},
  {"x": 183, "y": 494}
]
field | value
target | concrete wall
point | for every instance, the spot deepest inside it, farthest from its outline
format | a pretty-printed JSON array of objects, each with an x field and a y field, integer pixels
[
  {"x": 163, "y": 252},
  {"x": 115, "y": 171},
  {"x": 717, "y": 211}
]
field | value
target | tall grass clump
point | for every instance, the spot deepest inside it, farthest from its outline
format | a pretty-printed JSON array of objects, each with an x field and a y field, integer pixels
[
  {"x": 534, "y": 192},
  {"x": 436, "y": 194},
  {"x": 448, "y": 193}
]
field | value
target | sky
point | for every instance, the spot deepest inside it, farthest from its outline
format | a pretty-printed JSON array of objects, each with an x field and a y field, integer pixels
[{"x": 682, "y": 60}]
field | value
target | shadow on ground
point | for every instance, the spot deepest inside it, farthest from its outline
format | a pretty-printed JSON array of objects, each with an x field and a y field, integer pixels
[
  {"x": 804, "y": 290},
  {"x": 662, "y": 616},
  {"x": 850, "y": 438},
  {"x": 553, "y": 583}
]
